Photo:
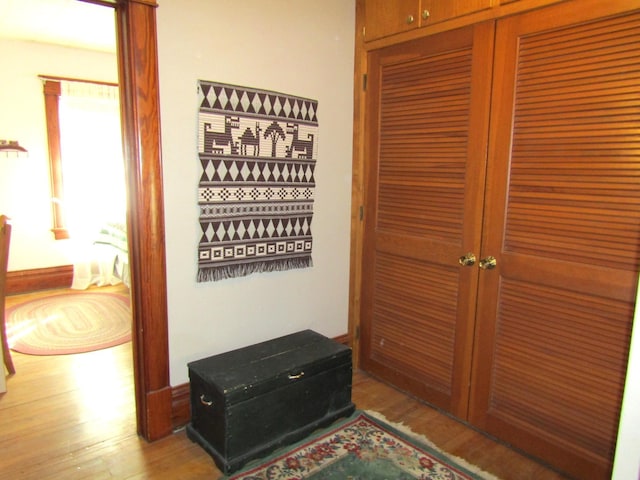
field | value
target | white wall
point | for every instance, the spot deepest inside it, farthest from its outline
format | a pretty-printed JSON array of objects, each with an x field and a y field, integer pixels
[
  {"x": 627, "y": 459},
  {"x": 299, "y": 47},
  {"x": 25, "y": 194}
]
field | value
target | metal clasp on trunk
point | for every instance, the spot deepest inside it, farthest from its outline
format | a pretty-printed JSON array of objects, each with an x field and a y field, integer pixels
[
  {"x": 204, "y": 401},
  {"x": 295, "y": 377}
]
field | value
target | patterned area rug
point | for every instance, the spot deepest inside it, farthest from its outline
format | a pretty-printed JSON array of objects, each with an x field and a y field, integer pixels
[
  {"x": 258, "y": 152},
  {"x": 363, "y": 447},
  {"x": 69, "y": 323}
]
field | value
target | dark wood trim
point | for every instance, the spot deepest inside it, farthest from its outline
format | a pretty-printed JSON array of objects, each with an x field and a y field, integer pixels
[
  {"x": 25, "y": 281},
  {"x": 148, "y": 3},
  {"x": 180, "y": 405},
  {"x": 158, "y": 404},
  {"x": 104, "y": 3},
  {"x": 60, "y": 233},
  {"x": 140, "y": 105},
  {"x": 79, "y": 80},
  {"x": 52, "y": 92}
]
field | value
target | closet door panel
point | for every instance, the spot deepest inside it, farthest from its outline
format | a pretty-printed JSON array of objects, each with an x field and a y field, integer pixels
[
  {"x": 414, "y": 312},
  {"x": 563, "y": 221},
  {"x": 426, "y": 158}
]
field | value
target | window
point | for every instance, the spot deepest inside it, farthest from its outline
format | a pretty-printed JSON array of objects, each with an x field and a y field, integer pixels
[{"x": 85, "y": 155}]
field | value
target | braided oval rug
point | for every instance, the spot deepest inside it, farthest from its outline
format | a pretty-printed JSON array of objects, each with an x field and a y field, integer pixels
[{"x": 69, "y": 323}]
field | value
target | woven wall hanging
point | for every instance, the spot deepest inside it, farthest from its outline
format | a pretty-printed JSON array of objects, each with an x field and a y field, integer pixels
[{"x": 258, "y": 151}]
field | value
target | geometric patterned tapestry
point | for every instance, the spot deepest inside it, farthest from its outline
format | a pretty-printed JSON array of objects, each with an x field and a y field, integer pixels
[{"x": 258, "y": 151}]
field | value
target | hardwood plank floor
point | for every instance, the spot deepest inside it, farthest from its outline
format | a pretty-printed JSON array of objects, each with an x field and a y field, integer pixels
[{"x": 73, "y": 417}]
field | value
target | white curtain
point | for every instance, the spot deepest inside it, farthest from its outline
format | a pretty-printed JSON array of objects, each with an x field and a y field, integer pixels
[
  {"x": 93, "y": 179},
  {"x": 92, "y": 163}
]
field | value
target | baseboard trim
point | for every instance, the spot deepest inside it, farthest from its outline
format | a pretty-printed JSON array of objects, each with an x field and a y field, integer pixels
[
  {"x": 344, "y": 339},
  {"x": 158, "y": 403},
  {"x": 180, "y": 397},
  {"x": 25, "y": 281},
  {"x": 180, "y": 406}
]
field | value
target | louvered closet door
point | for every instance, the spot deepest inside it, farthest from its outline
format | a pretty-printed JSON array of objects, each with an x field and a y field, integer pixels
[
  {"x": 427, "y": 105},
  {"x": 563, "y": 221}
]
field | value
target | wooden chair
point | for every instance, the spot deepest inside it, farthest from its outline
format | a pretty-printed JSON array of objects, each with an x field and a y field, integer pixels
[{"x": 5, "y": 238}]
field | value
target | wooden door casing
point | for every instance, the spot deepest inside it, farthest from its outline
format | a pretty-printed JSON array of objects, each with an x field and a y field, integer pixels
[
  {"x": 563, "y": 220},
  {"x": 426, "y": 157}
]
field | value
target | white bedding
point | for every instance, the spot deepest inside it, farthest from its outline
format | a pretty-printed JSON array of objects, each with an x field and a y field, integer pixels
[{"x": 105, "y": 261}]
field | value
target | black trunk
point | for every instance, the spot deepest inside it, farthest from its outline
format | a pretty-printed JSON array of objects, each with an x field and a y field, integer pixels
[{"x": 248, "y": 402}]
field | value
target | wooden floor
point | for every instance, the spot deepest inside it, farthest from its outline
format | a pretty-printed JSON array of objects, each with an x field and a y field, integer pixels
[{"x": 72, "y": 417}]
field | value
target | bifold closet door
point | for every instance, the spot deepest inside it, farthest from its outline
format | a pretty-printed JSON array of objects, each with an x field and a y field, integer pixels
[
  {"x": 425, "y": 151},
  {"x": 563, "y": 222}
]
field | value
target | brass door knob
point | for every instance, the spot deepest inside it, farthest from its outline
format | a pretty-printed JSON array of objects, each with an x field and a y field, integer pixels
[
  {"x": 426, "y": 14},
  {"x": 467, "y": 260},
  {"x": 410, "y": 19},
  {"x": 488, "y": 263}
]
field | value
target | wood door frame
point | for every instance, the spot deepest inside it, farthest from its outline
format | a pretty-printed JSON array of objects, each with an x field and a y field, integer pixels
[{"x": 140, "y": 111}]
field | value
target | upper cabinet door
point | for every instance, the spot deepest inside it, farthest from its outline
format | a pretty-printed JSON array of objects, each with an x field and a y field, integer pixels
[
  {"x": 562, "y": 218},
  {"x": 385, "y": 17},
  {"x": 433, "y": 11}
]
